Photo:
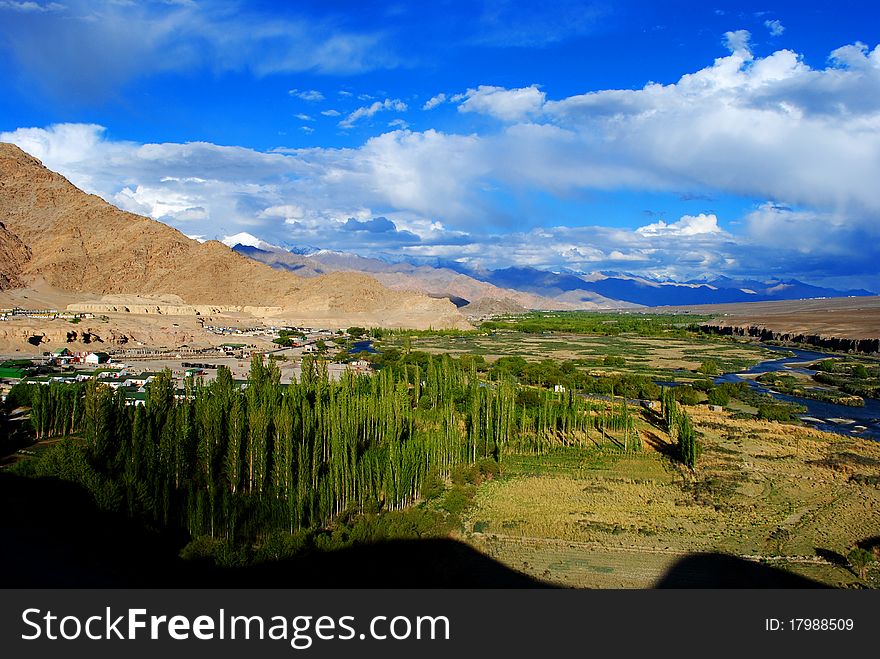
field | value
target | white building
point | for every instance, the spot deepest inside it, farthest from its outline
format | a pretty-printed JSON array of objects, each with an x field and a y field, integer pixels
[{"x": 96, "y": 358}]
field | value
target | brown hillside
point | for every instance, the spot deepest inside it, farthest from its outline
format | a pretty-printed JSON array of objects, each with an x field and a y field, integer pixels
[
  {"x": 14, "y": 255},
  {"x": 80, "y": 243}
]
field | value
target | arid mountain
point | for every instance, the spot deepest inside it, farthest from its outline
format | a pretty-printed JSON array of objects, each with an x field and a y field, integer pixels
[
  {"x": 14, "y": 255},
  {"x": 422, "y": 278},
  {"x": 487, "y": 307},
  {"x": 77, "y": 242}
]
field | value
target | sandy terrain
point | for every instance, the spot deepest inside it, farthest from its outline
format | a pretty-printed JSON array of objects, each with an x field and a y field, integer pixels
[{"x": 847, "y": 318}]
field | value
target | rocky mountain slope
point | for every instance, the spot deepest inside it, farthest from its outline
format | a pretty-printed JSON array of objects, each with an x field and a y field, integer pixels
[
  {"x": 435, "y": 281},
  {"x": 79, "y": 243},
  {"x": 14, "y": 254}
]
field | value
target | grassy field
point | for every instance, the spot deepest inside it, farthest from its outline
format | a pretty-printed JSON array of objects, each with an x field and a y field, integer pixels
[
  {"x": 658, "y": 357},
  {"x": 791, "y": 497}
]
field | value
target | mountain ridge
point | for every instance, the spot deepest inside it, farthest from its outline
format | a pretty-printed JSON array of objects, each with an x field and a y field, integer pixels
[
  {"x": 533, "y": 288},
  {"x": 78, "y": 242}
]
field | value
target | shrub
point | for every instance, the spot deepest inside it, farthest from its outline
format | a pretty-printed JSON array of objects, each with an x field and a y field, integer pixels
[
  {"x": 718, "y": 397},
  {"x": 280, "y": 545},
  {"x": 457, "y": 501},
  {"x": 432, "y": 486},
  {"x": 687, "y": 395},
  {"x": 860, "y": 559},
  {"x": 770, "y": 412},
  {"x": 488, "y": 468},
  {"x": 708, "y": 367},
  {"x": 204, "y": 547}
]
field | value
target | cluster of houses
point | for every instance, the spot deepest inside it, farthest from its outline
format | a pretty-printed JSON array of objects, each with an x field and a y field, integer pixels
[
  {"x": 132, "y": 386},
  {"x": 64, "y": 357},
  {"x": 272, "y": 331},
  {"x": 117, "y": 376}
]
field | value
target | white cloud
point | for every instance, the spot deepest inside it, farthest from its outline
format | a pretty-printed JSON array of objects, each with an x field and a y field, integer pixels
[
  {"x": 307, "y": 129},
  {"x": 311, "y": 95},
  {"x": 398, "y": 123},
  {"x": 434, "y": 101},
  {"x": 284, "y": 211},
  {"x": 738, "y": 42},
  {"x": 504, "y": 104},
  {"x": 765, "y": 128},
  {"x": 688, "y": 225},
  {"x": 856, "y": 56},
  {"x": 775, "y": 27},
  {"x": 31, "y": 7},
  {"x": 331, "y": 113},
  {"x": 770, "y": 128},
  {"x": 369, "y": 110},
  {"x": 304, "y": 117}
]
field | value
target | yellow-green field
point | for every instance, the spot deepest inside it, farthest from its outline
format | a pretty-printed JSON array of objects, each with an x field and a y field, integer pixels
[
  {"x": 793, "y": 497},
  {"x": 648, "y": 355}
]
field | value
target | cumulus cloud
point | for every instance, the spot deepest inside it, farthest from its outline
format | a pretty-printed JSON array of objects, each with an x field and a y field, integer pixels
[
  {"x": 283, "y": 211},
  {"x": 434, "y": 101},
  {"x": 369, "y": 110},
  {"x": 770, "y": 128},
  {"x": 738, "y": 41},
  {"x": 775, "y": 27},
  {"x": 311, "y": 95},
  {"x": 376, "y": 225},
  {"x": 801, "y": 142},
  {"x": 501, "y": 103},
  {"x": 688, "y": 225}
]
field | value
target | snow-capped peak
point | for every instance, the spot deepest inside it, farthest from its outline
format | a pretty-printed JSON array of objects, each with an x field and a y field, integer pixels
[{"x": 247, "y": 240}]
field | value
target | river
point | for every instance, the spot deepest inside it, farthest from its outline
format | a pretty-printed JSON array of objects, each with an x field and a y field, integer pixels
[
  {"x": 362, "y": 346},
  {"x": 840, "y": 419}
]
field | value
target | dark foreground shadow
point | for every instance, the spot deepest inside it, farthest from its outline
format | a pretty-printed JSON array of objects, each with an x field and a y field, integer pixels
[
  {"x": 53, "y": 536},
  {"x": 724, "y": 571}
]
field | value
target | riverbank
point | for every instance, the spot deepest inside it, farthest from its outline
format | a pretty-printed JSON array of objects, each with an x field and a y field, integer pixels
[{"x": 863, "y": 421}]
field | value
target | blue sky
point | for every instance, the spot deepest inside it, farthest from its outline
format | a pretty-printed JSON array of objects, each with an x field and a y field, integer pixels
[{"x": 674, "y": 140}]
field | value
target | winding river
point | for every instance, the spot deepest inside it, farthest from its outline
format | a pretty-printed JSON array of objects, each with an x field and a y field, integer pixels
[{"x": 841, "y": 419}]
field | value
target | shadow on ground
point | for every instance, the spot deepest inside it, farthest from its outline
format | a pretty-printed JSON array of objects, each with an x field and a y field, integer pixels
[
  {"x": 724, "y": 571},
  {"x": 52, "y": 535}
]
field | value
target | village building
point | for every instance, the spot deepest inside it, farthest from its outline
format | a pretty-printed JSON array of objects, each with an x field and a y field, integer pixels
[{"x": 96, "y": 358}]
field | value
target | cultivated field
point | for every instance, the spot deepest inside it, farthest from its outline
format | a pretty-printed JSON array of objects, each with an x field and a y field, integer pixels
[{"x": 642, "y": 355}]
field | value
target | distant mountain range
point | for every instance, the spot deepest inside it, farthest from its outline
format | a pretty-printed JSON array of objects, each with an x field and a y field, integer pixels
[
  {"x": 530, "y": 288},
  {"x": 650, "y": 293}
]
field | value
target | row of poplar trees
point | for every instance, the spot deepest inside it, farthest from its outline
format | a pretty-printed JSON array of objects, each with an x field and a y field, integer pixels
[
  {"x": 680, "y": 427},
  {"x": 231, "y": 462}
]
